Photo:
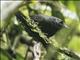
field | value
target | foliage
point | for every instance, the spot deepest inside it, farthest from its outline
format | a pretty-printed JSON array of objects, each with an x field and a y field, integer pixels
[{"x": 65, "y": 44}]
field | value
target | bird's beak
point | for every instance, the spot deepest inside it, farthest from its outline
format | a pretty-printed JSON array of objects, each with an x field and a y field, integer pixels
[{"x": 65, "y": 26}]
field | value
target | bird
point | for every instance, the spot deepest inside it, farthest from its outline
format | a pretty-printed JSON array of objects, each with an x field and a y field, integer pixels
[{"x": 49, "y": 25}]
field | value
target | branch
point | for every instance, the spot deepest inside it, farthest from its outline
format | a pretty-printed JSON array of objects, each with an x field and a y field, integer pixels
[
  {"x": 31, "y": 27},
  {"x": 69, "y": 53}
]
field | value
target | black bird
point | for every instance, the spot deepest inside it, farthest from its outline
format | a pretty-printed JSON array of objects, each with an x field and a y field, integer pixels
[{"x": 48, "y": 24}]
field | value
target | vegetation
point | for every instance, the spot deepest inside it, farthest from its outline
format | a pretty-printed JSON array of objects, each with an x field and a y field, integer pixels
[{"x": 22, "y": 39}]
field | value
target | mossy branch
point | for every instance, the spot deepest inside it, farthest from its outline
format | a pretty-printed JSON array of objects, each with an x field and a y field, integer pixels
[{"x": 31, "y": 27}]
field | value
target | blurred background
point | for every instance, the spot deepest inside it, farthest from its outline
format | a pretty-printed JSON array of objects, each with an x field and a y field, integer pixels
[{"x": 13, "y": 37}]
